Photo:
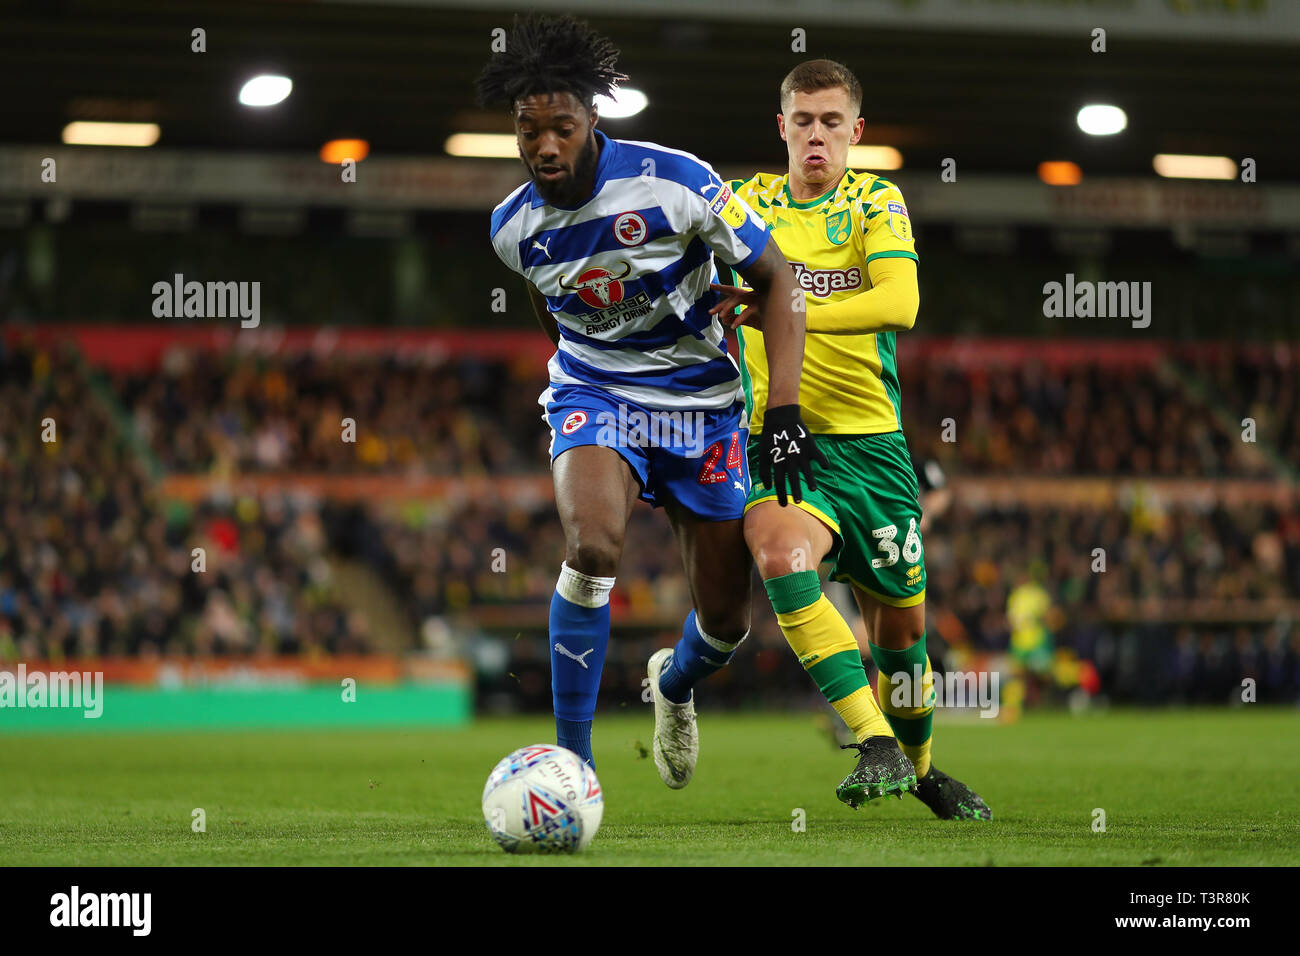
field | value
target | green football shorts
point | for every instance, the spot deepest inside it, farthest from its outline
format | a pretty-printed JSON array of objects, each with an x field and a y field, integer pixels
[{"x": 868, "y": 497}]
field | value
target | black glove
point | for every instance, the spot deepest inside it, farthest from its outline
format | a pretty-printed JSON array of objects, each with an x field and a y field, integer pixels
[{"x": 787, "y": 444}]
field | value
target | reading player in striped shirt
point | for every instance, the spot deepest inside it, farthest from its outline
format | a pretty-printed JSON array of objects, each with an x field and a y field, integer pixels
[
  {"x": 850, "y": 239},
  {"x": 617, "y": 241}
]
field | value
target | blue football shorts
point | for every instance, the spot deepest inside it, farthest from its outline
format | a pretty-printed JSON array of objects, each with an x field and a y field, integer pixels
[{"x": 694, "y": 457}]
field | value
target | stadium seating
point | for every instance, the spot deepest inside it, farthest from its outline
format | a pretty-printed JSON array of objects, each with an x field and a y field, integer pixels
[{"x": 1172, "y": 596}]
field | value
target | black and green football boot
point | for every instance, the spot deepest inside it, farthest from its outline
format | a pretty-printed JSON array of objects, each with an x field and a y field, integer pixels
[
  {"x": 882, "y": 769},
  {"x": 950, "y": 799}
]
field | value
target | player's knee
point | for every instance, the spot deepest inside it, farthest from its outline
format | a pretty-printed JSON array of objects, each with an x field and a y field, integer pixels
[
  {"x": 726, "y": 623},
  {"x": 900, "y": 628},
  {"x": 594, "y": 554},
  {"x": 778, "y": 554}
]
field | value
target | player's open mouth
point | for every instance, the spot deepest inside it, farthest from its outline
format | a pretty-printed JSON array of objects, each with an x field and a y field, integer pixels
[{"x": 550, "y": 172}]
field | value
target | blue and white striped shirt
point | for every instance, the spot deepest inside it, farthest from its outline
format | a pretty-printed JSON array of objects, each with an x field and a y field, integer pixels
[{"x": 626, "y": 274}]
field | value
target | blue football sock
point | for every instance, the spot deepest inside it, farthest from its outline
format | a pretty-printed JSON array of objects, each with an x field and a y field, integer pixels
[
  {"x": 575, "y": 735},
  {"x": 579, "y": 635},
  {"x": 695, "y": 657}
]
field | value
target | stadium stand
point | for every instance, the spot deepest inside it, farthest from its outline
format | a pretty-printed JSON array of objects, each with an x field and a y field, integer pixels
[{"x": 1197, "y": 590}]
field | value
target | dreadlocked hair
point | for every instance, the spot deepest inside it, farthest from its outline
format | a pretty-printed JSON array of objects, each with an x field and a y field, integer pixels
[{"x": 550, "y": 55}]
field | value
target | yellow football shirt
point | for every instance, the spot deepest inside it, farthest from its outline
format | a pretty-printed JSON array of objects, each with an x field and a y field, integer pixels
[{"x": 850, "y": 382}]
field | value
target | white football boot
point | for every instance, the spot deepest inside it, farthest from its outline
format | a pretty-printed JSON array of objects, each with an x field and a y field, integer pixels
[{"x": 677, "y": 738}]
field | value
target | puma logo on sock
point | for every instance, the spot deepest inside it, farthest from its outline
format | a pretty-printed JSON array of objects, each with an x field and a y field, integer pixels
[{"x": 577, "y": 657}]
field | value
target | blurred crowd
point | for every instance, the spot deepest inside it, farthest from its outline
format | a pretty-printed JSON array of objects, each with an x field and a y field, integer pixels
[
  {"x": 1198, "y": 664},
  {"x": 1158, "y": 611},
  {"x": 1264, "y": 389},
  {"x": 236, "y": 413},
  {"x": 449, "y": 558},
  {"x": 1072, "y": 420},
  {"x": 232, "y": 412},
  {"x": 1189, "y": 569},
  {"x": 93, "y": 561},
  {"x": 1152, "y": 556}
]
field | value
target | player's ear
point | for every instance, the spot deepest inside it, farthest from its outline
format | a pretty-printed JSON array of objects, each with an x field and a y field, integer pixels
[
  {"x": 780, "y": 124},
  {"x": 858, "y": 126}
]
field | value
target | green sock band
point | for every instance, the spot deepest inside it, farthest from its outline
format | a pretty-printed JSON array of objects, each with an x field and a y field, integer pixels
[
  {"x": 792, "y": 592},
  {"x": 912, "y": 731},
  {"x": 839, "y": 675},
  {"x": 891, "y": 662}
]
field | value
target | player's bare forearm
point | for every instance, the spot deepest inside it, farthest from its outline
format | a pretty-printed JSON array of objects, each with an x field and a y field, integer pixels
[
  {"x": 890, "y": 305},
  {"x": 783, "y": 328},
  {"x": 544, "y": 317}
]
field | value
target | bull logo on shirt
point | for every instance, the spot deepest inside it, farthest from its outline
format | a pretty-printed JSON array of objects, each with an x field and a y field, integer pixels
[{"x": 598, "y": 287}]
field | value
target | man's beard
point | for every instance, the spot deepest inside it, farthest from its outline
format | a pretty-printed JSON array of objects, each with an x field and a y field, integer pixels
[{"x": 565, "y": 192}]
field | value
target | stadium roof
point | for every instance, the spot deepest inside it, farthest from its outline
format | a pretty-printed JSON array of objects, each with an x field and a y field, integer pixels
[{"x": 401, "y": 77}]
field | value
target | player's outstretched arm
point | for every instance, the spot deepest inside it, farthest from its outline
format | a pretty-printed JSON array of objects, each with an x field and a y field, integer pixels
[
  {"x": 787, "y": 447},
  {"x": 544, "y": 317},
  {"x": 890, "y": 305}
]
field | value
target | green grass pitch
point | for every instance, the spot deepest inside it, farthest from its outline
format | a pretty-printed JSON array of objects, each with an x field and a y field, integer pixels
[{"x": 1177, "y": 787}]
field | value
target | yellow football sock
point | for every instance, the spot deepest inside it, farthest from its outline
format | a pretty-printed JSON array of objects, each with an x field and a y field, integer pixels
[{"x": 825, "y": 646}]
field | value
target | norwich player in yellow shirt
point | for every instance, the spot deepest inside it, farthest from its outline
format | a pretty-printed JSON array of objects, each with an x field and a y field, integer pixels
[{"x": 849, "y": 239}]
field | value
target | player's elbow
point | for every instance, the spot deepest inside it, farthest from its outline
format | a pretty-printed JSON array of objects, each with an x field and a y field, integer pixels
[
  {"x": 770, "y": 273},
  {"x": 907, "y": 314},
  {"x": 899, "y": 297},
  {"x": 906, "y": 304}
]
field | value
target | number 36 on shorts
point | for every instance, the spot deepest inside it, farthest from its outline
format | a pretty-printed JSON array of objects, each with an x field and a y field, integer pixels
[{"x": 885, "y": 542}]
